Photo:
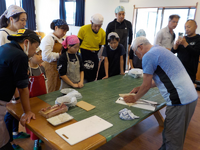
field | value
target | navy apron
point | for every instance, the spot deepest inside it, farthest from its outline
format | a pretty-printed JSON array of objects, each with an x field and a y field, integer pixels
[{"x": 123, "y": 35}]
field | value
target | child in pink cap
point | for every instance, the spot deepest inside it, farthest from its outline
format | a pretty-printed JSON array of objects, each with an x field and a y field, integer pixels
[{"x": 70, "y": 66}]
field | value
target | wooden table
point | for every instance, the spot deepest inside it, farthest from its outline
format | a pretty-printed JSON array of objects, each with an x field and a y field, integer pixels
[{"x": 103, "y": 95}]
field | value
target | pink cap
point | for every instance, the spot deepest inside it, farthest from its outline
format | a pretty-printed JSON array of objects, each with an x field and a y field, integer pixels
[{"x": 70, "y": 40}]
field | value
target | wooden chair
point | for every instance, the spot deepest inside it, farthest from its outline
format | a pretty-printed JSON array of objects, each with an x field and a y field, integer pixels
[{"x": 42, "y": 34}]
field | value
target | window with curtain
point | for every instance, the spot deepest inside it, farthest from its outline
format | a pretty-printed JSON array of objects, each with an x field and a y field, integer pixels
[
  {"x": 70, "y": 7},
  {"x": 29, "y": 7},
  {"x": 154, "y": 19},
  {"x": 73, "y": 11},
  {"x": 13, "y": 2},
  {"x": 2, "y": 6}
]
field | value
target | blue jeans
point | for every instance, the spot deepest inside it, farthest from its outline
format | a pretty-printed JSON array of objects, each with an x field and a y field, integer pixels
[{"x": 12, "y": 125}]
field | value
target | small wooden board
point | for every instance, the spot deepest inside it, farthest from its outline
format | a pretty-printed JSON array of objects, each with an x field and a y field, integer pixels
[
  {"x": 85, "y": 105},
  {"x": 129, "y": 104},
  {"x": 122, "y": 95}
]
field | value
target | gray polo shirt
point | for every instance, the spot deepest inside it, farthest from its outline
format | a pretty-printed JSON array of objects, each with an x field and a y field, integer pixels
[{"x": 164, "y": 38}]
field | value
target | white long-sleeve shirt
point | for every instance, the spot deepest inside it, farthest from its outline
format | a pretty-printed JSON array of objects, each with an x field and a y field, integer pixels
[
  {"x": 47, "y": 45},
  {"x": 3, "y": 35}
]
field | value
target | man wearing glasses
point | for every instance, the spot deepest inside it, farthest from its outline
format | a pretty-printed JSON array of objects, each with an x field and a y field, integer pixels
[
  {"x": 165, "y": 37},
  {"x": 163, "y": 69}
]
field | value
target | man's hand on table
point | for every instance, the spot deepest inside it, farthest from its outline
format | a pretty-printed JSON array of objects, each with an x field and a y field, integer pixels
[
  {"x": 135, "y": 90},
  {"x": 130, "y": 99},
  {"x": 26, "y": 117}
]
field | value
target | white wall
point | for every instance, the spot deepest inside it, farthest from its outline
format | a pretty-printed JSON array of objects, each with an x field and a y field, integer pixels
[
  {"x": 47, "y": 10},
  {"x": 107, "y": 7}
]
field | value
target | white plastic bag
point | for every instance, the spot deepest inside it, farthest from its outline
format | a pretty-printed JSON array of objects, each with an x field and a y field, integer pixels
[
  {"x": 73, "y": 102},
  {"x": 136, "y": 73},
  {"x": 67, "y": 100},
  {"x": 75, "y": 93},
  {"x": 71, "y": 92},
  {"x": 64, "y": 99},
  {"x": 67, "y": 90}
]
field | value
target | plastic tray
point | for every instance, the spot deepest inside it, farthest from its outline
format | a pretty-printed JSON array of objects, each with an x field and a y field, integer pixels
[{"x": 59, "y": 119}]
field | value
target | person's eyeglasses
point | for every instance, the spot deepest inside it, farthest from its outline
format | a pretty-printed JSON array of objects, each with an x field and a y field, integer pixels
[{"x": 136, "y": 49}]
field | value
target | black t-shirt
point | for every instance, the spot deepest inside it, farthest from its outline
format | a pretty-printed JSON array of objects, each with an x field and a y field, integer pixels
[
  {"x": 113, "y": 58},
  {"x": 189, "y": 55},
  {"x": 62, "y": 63},
  {"x": 13, "y": 70},
  {"x": 122, "y": 25},
  {"x": 137, "y": 63}
]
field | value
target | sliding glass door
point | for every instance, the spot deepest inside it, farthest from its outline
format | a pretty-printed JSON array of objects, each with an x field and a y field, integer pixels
[{"x": 151, "y": 20}]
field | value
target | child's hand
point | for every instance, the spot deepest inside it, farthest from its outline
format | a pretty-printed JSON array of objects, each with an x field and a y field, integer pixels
[
  {"x": 75, "y": 86},
  {"x": 122, "y": 73},
  {"x": 105, "y": 77},
  {"x": 80, "y": 84}
]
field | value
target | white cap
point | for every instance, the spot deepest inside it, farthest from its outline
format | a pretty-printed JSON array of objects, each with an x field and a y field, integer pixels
[
  {"x": 113, "y": 34},
  {"x": 97, "y": 19},
  {"x": 12, "y": 10}
]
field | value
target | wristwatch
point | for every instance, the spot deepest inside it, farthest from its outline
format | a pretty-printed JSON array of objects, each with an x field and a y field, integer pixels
[
  {"x": 14, "y": 100},
  {"x": 17, "y": 98}
]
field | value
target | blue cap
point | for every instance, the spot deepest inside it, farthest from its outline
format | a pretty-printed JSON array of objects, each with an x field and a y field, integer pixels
[
  {"x": 119, "y": 8},
  {"x": 141, "y": 32},
  {"x": 59, "y": 22}
]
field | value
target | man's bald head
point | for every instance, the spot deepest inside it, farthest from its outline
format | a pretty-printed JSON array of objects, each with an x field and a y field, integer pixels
[
  {"x": 190, "y": 28},
  {"x": 192, "y": 21}
]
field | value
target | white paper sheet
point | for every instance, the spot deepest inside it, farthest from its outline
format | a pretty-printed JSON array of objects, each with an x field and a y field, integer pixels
[{"x": 139, "y": 104}]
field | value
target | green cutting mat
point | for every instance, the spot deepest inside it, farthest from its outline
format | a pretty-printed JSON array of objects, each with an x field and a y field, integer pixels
[{"x": 103, "y": 94}]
